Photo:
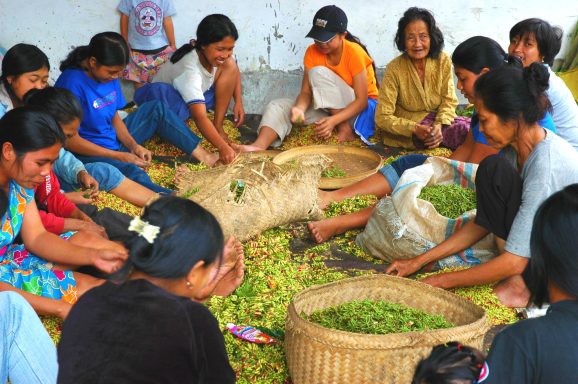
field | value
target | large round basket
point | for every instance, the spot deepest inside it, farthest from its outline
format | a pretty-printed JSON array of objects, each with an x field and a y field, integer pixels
[
  {"x": 316, "y": 354},
  {"x": 357, "y": 163}
]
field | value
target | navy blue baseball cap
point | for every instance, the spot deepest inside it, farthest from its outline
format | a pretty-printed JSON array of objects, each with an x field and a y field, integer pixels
[{"x": 327, "y": 22}]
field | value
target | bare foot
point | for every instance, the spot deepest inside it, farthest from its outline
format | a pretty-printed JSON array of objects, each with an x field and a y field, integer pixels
[
  {"x": 324, "y": 198},
  {"x": 230, "y": 273},
  {"x": 204, "y": 156},
  {"x": 232, "y": 279},
  {"x": 322, "y": 230},
  {"x": 345, "y": 132},
  {"x": 247, "y": 148},
  {"x": 211, "y": 159},
  {"x": 513, "y": 292}
]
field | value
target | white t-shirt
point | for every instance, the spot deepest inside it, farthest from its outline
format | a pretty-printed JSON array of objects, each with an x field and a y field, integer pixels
[
  {"x": 564, "y": 109},
  {"x": 550, "y": 167},
  {"x": 145, "y": 22},
  {"x": 188, "y": 77}
]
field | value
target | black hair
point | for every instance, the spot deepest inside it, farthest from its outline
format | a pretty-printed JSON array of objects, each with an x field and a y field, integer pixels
[
  {"x": 477, "y": 53},
  {"x": 29, "y": 129},
  {"x": 22, "y": 58},
  {"x": 59, "y": 103},
  {"x": 513, "y": 61},
  {"x": 548, "y": 37},
  {"x": 108, "y": 48},
  {"x": 212, "y": 29},
  {"x": 509, "y": 91},
  {"x": 448, "y": 363},
  {"x": 553, "y": 245},
  {"x": 435, "y": 34},
  {"x": 188, "y": 234},
  {"x": 354, "y": 39}
]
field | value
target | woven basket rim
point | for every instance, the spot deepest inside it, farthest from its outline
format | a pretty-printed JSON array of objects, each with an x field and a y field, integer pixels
[
  {"x": 335, "y": 182},
  {"x": 359, "y": 341}
]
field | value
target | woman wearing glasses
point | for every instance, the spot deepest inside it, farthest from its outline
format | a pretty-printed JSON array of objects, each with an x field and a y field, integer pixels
[
  {"x": 338, "y": 92},
  {"x": 417, "y": 98}
]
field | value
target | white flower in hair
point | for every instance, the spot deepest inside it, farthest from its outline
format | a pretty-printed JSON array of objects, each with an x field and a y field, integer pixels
[{"x": 144, "y": 229}]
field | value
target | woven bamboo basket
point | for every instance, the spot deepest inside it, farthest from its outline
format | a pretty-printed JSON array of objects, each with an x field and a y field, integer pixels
[
  {"x": 357, "y": 163},
  {"x": 316, "y": 354}
]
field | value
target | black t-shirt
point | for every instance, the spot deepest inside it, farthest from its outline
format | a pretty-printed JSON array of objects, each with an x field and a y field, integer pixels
[
  {"x": 540, "y": 350},
  {"x": 136, "y": 332}
]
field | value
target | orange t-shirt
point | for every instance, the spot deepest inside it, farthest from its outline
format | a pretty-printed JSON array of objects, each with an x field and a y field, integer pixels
[{"x": 353, "y": 60}]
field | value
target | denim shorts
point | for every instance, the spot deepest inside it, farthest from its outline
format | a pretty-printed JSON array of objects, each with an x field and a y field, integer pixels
[
  {"x": 392, "y": 172},
  {"x": 107, "y": 175}
]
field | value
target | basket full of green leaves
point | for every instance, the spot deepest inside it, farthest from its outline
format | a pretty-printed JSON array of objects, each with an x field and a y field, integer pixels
[{"x": 396, "y": 322}]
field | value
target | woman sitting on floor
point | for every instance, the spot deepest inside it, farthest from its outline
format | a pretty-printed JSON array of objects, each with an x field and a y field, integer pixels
[
  {"x": 533, "y": 164},
  {"x": 417, "y": 99},
  {"x": 202, "y": 75},
  {"x": 338, "y": 91},
  {"x": 177, "y": 260},
  {"x": 40, "y": 269}
]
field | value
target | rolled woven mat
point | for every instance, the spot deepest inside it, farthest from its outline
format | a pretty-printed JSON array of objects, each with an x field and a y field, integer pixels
[
  {"x": 316, "y": 354},
  {"x": 252, "y": 195}
]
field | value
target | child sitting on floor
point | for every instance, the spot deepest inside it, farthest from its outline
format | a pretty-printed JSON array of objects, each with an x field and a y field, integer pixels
[{"x": 202, "y": 75}]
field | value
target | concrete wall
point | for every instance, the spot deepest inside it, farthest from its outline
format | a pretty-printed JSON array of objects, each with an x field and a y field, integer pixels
[{"x": 271, "y": 43}]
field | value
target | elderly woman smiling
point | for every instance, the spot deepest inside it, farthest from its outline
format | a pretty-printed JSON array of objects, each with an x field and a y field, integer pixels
[{"x": 417, "y": 98}]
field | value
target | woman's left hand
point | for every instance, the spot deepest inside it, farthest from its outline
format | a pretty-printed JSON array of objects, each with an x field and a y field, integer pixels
[
  {"x": 324, "y": 127},
  {"x": 238, "y": 114},
  {"x": 143, "y": 153}
]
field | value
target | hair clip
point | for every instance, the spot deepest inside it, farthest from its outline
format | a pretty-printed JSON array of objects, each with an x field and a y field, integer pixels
[{"x": 144, "y": 229}]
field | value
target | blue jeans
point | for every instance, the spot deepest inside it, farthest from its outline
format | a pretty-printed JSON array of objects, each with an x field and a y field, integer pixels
[
  {"x": 170, "y": 96},
  {"x": 27, "y": 355},
  {"x": 130, "y": 170},
  {"x": 107, "y": 175},
  {"x": 392, "y": 172},
  {"x": 153, "y": 117}
]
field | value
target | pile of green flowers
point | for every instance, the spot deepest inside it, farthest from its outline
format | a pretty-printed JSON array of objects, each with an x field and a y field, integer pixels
[
  {"x": 449, "y": 200},
  {"x": 377, "y": 318}
]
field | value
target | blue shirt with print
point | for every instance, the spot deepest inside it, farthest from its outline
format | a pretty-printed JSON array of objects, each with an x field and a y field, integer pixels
[{"x": 100, "y": 102}]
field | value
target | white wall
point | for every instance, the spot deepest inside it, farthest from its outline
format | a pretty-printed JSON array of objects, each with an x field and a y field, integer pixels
[{"x": 272, "y": 31}]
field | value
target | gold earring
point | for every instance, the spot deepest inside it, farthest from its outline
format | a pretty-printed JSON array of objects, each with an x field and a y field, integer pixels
[{"x": 189, "y": 285}]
